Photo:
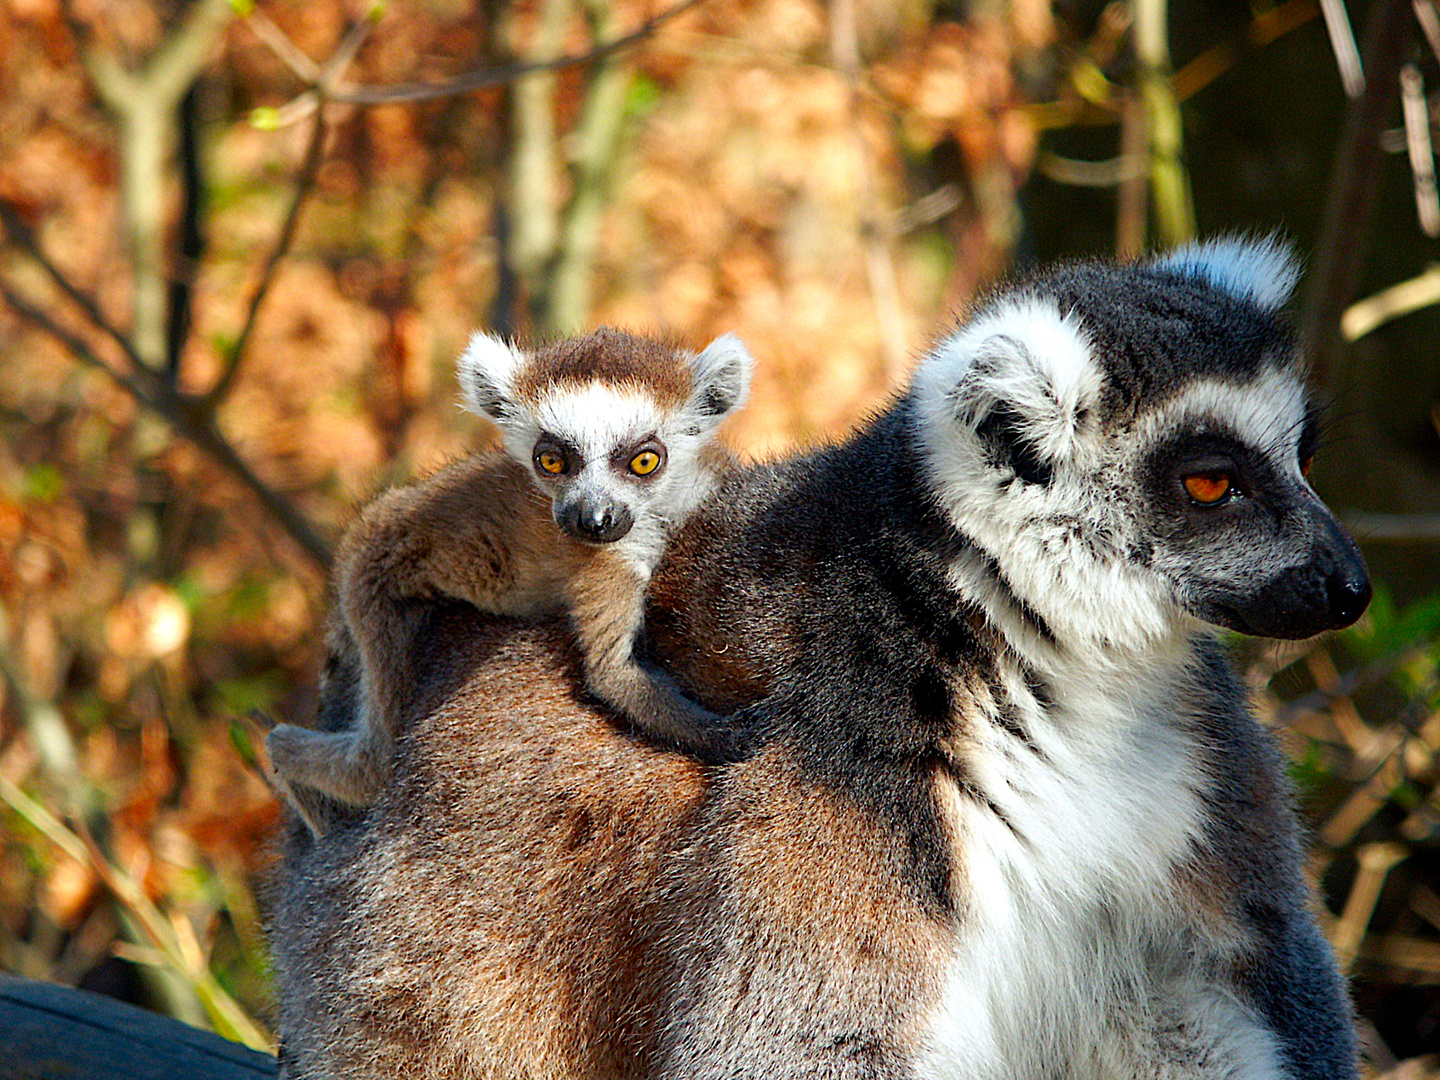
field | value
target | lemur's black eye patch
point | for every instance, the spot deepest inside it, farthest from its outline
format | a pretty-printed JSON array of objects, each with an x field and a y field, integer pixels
[{"x": 1000, "y": 430}]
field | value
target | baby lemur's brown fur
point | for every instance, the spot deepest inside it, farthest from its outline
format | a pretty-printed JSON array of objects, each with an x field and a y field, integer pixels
[{"x": 609, "y": 445}]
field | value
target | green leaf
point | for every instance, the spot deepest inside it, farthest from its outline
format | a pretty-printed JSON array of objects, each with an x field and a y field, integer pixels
[
  {"x": 240, "y": 695},
  {"x": 243, "y": 743},
  {"x": 641, "y": 97},
  {"x": 44, "y": 483}
]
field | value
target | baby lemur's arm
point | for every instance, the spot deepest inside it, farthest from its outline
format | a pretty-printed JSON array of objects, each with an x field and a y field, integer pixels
[
  {"x": 477, "y": 531},
  {"x": 607, "y": 608}
]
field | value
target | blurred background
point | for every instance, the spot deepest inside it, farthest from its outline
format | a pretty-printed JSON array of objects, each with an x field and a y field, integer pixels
[{"x": 242, "y": 243}]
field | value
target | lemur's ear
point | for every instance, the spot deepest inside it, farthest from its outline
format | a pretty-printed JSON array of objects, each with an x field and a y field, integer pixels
[
  {"x": 486, "y": 370},
  {"x": 1022, "y": 377},
  {"x": 1263, "y": 271},
  {"x": 721, "y": 377}
]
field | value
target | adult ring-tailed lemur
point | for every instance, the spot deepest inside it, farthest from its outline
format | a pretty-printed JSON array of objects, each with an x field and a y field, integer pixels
[{"x": 1006, "y": 813}]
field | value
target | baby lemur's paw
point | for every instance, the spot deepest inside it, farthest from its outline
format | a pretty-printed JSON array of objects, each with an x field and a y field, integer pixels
[{"x": 728, "y": 742}]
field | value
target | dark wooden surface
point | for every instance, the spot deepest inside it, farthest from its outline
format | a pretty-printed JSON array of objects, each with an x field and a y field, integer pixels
[{"x": 55, "y": 1033}]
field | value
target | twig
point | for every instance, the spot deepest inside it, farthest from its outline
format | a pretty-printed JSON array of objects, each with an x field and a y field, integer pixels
[
  {"x": 597, "y": 149},
  {"x": 1376, "y": 860},
  {"x": 1169, "y": 181},
  {"x": 925, "y": 210},
  {"x": 1268, "y": 25},
  {"x": 144, "y": 103},
  {"x": 185, "y": 417},
  {"x": 304, "y": 184},
  {"x": 532, "y": 183},
  {"x": 1342, "y": 44},
  {"x": 1422, "y": 153},
  {"x": 1132, "y": 198},
  {"x": 76, "y": 345},
  {"x": 348, "y": 48},
  {"x": 485, "y": 78},
  {"x": 1343, "y": 246},
  {"x": 1363, "y": 316},
  {"x": 1097, "y": 174},
  {"x": 22, "y": 234},
  {"x": 279, "y": 43},
  {"x": 1429, "y": 21}
]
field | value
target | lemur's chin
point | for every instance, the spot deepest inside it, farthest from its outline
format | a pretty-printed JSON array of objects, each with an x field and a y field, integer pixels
[{"x": 1328, "y": 604}]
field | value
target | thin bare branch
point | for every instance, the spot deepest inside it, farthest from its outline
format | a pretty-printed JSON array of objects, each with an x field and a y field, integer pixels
[
  {"x": 925, "y": 210},
  {"x": 596, "y": 140},
  {"x": 532, "y": 184},
  {"x": 304, "y": 184},
  {"x": 145, "y": 104},
  {"x": 1429, "y": 21},
  {"x": 1342, "y": 43},
  {"x": 1173, "y": 204},
  {"x": 73, "y": 343},
  {"x": 1343, "y": 248},
  {"x": 285, "y": 50},
  {"x": 1395, "y": 528},
  {"x": 346, "y": 51},
  {"x": 1098, "y": 174},
  {"x": 186, "y": 417},
  {"x": 508, "y": 73},
  {"x": 22, "y": 234},
  {"x": 173, "y": 68},
  {"x": 1422, "y": 153},
  {"x": 1132, "y": 197}
]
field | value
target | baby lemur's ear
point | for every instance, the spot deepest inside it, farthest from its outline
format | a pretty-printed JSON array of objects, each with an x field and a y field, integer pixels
[
  {"x": 722, "y": 377},
  {"x": 487, "y": 370}
]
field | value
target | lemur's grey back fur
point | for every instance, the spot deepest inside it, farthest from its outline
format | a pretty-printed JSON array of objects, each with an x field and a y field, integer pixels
[{"x": 1007, "y": 814}]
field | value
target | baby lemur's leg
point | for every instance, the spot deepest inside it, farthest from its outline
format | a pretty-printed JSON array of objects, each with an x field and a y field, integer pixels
[
  {"x": 607, "y": 608},
  {"x": 353, "y": 765},
  {"x": 470, "y": 532}
]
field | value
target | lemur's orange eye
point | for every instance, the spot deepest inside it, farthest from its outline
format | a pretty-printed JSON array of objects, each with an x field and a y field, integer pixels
[
  {"x": 550, "y": 462},
  {"x": 644, "y": 463},
  {"x": 1208, "y": 488},
  {"x": 1305, "y": 464}
]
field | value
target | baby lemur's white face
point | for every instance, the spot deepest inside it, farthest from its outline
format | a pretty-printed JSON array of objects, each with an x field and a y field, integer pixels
[{"x": 612, "y": 427}]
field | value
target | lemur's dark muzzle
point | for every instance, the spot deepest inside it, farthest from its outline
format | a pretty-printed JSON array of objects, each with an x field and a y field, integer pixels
[
  {"x": 1327, "y": 592},
  {"x": 596, "y": 521}
]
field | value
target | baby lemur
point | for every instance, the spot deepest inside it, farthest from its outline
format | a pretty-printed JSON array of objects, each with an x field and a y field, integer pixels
[{"x": 608, "y": 446}]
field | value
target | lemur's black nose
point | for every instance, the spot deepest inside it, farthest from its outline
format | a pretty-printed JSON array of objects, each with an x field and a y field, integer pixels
[
  {"x": 596, "y": 522},
  {"x": 1347, "y": 582},
  {"x": 1349, "y": 595}
]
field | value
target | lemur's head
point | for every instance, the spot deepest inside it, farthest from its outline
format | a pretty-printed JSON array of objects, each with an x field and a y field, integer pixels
[
  {"x": 1127, "y": 446},
  {"x": 612, "y": 427}
]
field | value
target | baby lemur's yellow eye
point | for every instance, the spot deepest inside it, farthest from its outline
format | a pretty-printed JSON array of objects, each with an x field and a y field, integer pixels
[
  {"x": 1305, "y": 464},
  {"x": 644, "y": 463},
  {"x": 550, "y": 462},
  {"x": 1207, "y": 488}
]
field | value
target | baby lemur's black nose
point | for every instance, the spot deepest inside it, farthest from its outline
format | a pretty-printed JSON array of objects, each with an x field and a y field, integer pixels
[{"x": 598, "y": 522}]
